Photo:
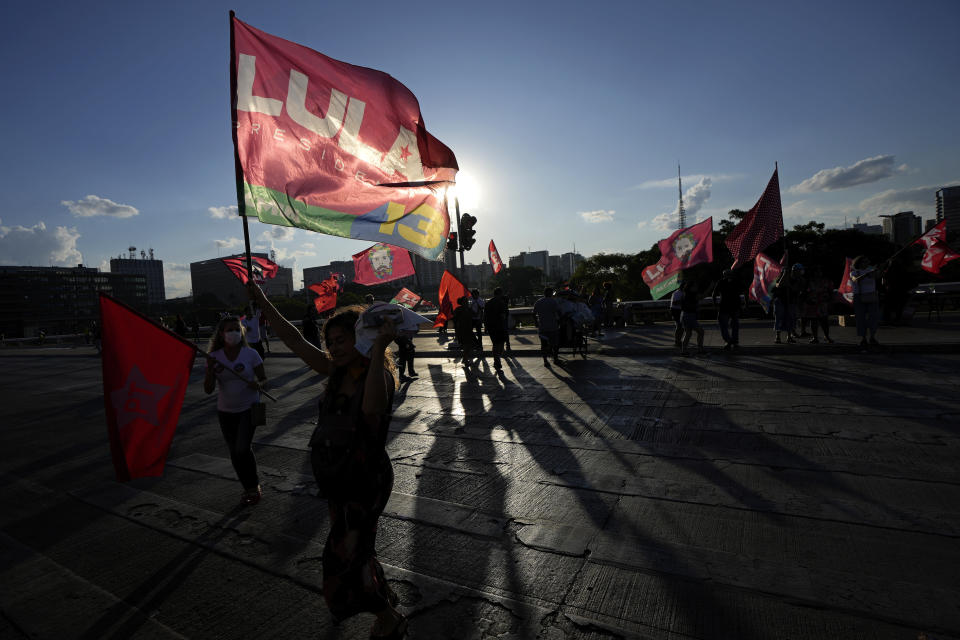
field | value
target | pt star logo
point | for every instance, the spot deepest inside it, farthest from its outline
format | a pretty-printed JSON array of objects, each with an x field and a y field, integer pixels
[
  {"x": 138, "y": 398},
  {"x": 405, "y": 152}
]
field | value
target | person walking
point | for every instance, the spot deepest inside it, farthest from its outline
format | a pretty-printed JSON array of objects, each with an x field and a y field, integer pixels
[
  {"x": 463, "y": 330},
  {"x": 495, "y": 318},
  {"x": 595, "y": 302},
  {"x": 251, "y": 328},
  {"x": 676, "y": 313},
  {"x": 405, "y": 354},
  {"x": 546, "y": 312},
  {"x": 689, "y": 307},
  {"x": 476, "y": 311},
  {"x": 349, "y": 459},
  {"x": 237, "y": 390},
  {"x": 728, "y": 289},
  {"x": 866, "y": 300}
]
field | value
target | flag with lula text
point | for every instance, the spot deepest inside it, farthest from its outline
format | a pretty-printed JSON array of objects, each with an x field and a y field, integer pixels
[
  {"x": 405, "y": 298},
  {"x": 326, "y": 293},
  {"x": 146, "y": 369},
  {"x": 845, "y": 290},
  {"x": 683, "y": 249},
  {"x": 495, "y": 262},
  {"x": 381, "y": 263},
  {"x": 334, "y": 148},
  {"x": 765, "y": 273},
  {"x": 263, "y": 269},
  {"x": 937, "y": 252},
  {"x": 760, "y": 227},
  {"x": 450, "y": 291}
]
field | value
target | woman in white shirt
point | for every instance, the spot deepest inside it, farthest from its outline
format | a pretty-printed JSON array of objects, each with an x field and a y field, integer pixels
[{"x": 238, "y": 391}]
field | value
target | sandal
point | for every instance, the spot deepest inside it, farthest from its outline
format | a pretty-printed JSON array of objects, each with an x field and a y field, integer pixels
[{"x": 252, "y": 497}]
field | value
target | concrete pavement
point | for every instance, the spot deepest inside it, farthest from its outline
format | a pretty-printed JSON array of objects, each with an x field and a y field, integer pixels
[{"x": 782, "y": 491}]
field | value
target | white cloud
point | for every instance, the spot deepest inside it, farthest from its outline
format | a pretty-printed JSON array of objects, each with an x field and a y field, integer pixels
[
  {"x": 600, "y": 215},
  {"x": 862, "y": 172},
  {"x": 922, "y": 200},
  {"x": 693, "y": 200},
  {"x": 96, "y": 206},
  {"x": 39, "y": 246},
  {"x": 230, "y": 211},
  {"x": 642, "y": 224},
  {"x": 671, "y": 183},
  {"x": 278, "y": 233},
  {"x": 229, "y": 243}
]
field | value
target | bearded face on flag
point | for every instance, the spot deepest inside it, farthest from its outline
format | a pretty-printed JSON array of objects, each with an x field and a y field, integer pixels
[
  {"x": 381, "y": 260},
  {"x": 683, "y": 246}
]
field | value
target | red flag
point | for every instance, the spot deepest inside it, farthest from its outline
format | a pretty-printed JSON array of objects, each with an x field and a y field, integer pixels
[
  {"x": 846, "y": 283},
  {"x": 684, "y": 248},
  {"x": 765, "y": 273},
  {"x": 761, "y": 227},
  {"x": 326, "y": 294},
  {"x": 334, "y": 148},
  {"x": 263, "y": 269},
  {"x": 451, "y": 290},
  {"x": 406, "y": 298},
  {"x": 937, "y": 252},
  {"x": 494, "y": 256},
  {"x": 381, "y": 263},
  {"x": 145, "y": 374}
]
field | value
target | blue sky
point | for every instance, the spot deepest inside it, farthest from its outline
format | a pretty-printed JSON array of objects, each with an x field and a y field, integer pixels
[{"x": 570, "y": 116}]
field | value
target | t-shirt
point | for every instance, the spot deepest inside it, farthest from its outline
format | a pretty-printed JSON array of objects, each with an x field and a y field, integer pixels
[
  {"x": 866, "y": 283},
  {"x": 251, "y": 325},
  {"x": 547, "y": 310},
  {"x": 675, "y": 299},
  {"x": 233, "y": 394},
  {"x": 476, "y": 308}
]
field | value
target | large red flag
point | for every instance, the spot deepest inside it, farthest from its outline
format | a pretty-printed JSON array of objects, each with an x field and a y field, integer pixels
[
  {"x": 263, "y": 269},
  {"x": 326, "y": 293},
  {"x": 406, "y": 298},
  {"x": 938, "y": 252},
  {"x": 451, "y": 290},
  {"x": 495, "y": 262},
  {"x": 381, "y": 263},
  {"x": 334, "y": 148},
  {"x": 846, "y": 283},
  {"x": 765, "y": 273},
  {"x": 761, "y": 227},
  {"x": 145, "y": 374},
  {"x": 684, "y": 248}
]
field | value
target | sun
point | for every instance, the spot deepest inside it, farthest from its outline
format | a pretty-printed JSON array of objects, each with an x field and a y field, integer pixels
[{"x": 467, "y": 190}]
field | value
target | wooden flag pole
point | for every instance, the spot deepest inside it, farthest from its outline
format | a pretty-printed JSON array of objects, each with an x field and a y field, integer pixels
[{"x": 237, "y": 166}]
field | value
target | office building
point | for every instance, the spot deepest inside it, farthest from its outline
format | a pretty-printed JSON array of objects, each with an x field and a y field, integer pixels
[
  {"x": 948, "y": 207},
  {"x": 146, "y": 266},
  {"x": 314, "y": 275},
  {"x": 213, "y": 278},
  {"x": 903, "y": 227},
  {"x": 863, "y": 227},
  {"x": 61, "y": 300},
  {"x": 537, "y": 259}
]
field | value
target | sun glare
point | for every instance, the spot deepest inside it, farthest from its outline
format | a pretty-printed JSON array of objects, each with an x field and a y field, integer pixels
[{"x": 467, "y": 189}]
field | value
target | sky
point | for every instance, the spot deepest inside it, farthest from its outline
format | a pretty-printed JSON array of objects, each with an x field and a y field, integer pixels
[{"x": 570, "y": 117}]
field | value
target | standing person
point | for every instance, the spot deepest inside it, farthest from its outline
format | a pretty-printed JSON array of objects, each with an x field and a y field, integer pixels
[
  {"x": 251, "y": 328},
  {"x": 675, "y": 312},
  {"x": 265, "y": 333},
  {"x": 238, "y": 391},
  {"x": 779, "y": 295},
  {"x": 495, "y": 317},
  {"x": 546, "y": 312},
  {"x": 349, "y": 459},
  {"x": 595, "y": 302},
  {"x": 728, "y": 309},
  {"x": 689, "y": 307},
  {"x": 196, "y": 329},
  {"x": 309, "y": 327},
  {"x": 798, "y": 292},
  {"x": 463, "y": 330},
  {"x": 817, "y": 304},
  {"x": 608, "y": 304},
  {"x": 405, "y": 354},
  {"x": 476, "y": 309},
  {"x": 866, "y": 300},
  {"x": 180, "y": 326}
]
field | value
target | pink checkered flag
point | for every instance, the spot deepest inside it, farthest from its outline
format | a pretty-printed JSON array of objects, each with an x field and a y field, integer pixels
[{"x": 761, "y": 227}]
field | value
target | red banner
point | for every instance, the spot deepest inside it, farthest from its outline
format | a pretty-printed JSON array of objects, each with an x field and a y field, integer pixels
[
  {"x": 765, "y": 273},
  {"x": 761, "y": 227},
  {"x": 495, "y": 262},
  {"x": 683, "y": 249},
  {"x": 263, "y": 269},
  {"x": 406, "y": 298},
  {"x": 326, "y": 294},
  {"x": 451, "y": 290},
  {"x": 335, "y": 148},
  {"x": 381, "y": 263},
  {"x": 938, "y": 252},
  {"x": 145, "y": 374},
  {"x": 846, "y": 284}
]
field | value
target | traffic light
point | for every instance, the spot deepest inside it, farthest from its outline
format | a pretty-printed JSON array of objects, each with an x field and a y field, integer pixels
[
  {"x": 452, "y": 241},
  {"x": 467, "y": 231}
]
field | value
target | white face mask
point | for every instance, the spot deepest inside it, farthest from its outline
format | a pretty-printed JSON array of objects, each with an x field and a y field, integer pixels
[{"x": 232, "y": 338}]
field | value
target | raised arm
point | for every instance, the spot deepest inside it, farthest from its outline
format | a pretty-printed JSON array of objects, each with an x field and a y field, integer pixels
[
  {"x": 311, "y": 356},
  {"x": 376, "y": 395}
]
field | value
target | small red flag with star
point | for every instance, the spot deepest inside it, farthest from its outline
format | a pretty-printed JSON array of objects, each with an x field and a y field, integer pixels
[
  {"x": 761, "y": 227},
  {"x": 146, "y": 369}
]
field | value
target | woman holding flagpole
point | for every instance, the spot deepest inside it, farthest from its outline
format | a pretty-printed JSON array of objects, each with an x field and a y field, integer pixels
[{"x": 349, "y": 458}]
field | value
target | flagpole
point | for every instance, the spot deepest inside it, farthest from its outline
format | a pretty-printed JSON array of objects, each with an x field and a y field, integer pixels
[{"x": 237, "y": 166}]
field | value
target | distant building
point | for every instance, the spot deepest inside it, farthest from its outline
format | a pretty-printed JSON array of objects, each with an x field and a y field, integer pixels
[
  {"x": 313, "y": 275},
  {"x": 902, "y": 227},
  {"x": 147, "y": 266},
  {"x": 562, "y": 267},
  {"x": 537, "y": 259},
  {"x": 215, "y": 278},
  {"x": 863, "y": 227},
  {"x": 948, "y": 207},
  {"x": 61, "y": 300}
]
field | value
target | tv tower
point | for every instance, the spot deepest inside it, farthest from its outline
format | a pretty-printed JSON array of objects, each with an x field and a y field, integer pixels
[{"x": 683, "y": 214}]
